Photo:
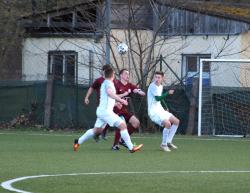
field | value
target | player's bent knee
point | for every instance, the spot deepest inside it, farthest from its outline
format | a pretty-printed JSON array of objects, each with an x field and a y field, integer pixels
[
  {"x": 177, "y": 122},
  {"x": 121, "y": 126},
  {"x": 97, "y": 130},
  {"x": 166, "y": 124},
  {"x": 136, "y": 124},
  {"x": 174, "y": 120}
]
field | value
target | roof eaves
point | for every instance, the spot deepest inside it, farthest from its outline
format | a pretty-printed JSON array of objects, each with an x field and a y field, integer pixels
[{"x": 56, "y": 10}]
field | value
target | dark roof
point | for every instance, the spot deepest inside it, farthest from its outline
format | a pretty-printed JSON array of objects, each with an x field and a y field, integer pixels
[{"x": 233, "y": 11}]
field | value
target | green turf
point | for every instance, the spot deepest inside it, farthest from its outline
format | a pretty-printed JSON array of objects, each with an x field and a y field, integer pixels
[{"x": 99, "y": 169}]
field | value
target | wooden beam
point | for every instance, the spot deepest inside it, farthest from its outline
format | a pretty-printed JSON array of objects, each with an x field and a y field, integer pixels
[
  {"x": 57, "y": 24},
  {"x": 41, "y": 16},
  {"x": 48, "y": 20},
  {"x": 74, "y": 18},
  {"x": 55, "y": 13},
  {"x": 66, "y": 35}
]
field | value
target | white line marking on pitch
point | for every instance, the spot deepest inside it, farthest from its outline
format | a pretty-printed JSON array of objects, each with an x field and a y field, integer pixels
[
  {"x": 58, "y": 135},
  {"x": 7, "y": 184}
]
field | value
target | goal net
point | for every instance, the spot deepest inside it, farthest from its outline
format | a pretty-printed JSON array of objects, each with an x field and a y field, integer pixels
[{"x": 224, "y": 98}]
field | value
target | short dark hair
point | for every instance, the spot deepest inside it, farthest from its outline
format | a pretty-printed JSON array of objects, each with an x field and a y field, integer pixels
[
  {"x": 160, "y": 73},
  {"x": 122, "y": 70},
  {"x": 109, "y": 72},
  {"x": 105, "y": 67}
]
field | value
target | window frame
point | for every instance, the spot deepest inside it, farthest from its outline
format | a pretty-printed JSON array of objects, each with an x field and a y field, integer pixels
[
  {"x": 51, "y": 64},
  {"x": 185, "y": 71}
]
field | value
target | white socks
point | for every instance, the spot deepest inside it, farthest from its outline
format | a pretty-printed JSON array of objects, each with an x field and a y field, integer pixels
[
  {"x": 165, "y": 136},
  {"x": 86, "y": 136},
  {"x": 172, "y": 132},
  {"x": 125, "y": 136}
]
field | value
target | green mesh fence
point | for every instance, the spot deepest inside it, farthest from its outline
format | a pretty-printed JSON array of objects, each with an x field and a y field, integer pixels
[
  {"x": 65, "y": 104},
  {"x": 17, "y": 98},
  {"x": 60, "y": 104}
]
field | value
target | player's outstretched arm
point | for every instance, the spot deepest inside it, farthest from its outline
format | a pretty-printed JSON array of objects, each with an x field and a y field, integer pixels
[
  {"x": 87, "y": 95},
  {"x": 139, "y": 91},
  {"x": 114, "y": 96},
  {"x": 159, "y": 98}
]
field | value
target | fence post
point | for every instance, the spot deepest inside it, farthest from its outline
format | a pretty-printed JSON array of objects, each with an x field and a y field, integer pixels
[
  {"x": 192, "y": 109},
  {"x": 48, "y": 100},
  {"x": 91, "y": 62},
  {"x": 161, "y": 63},
  {"x": 76, "y": 91}
]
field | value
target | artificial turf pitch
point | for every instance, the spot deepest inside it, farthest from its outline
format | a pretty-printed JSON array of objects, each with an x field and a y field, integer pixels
[{"x": 200, "y": 164}]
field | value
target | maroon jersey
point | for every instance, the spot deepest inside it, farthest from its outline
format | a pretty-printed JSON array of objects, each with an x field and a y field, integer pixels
[
  {"x": 120, "y": 89},
  {"x": 97, "y": 85}
]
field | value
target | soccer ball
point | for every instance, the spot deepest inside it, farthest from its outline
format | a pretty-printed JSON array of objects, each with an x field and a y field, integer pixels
[{"x": 122, "y": 49}]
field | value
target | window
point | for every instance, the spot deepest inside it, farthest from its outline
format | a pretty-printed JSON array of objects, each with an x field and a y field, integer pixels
[
  {"x": 63, "y": 18},
  {"x": 191, "y": 67},
  {"x": 192, "y": 64},
  {"x": 62, "y": 65}
]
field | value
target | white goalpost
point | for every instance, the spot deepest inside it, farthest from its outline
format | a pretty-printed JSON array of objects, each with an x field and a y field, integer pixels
[{"x": 224, "y": 97}]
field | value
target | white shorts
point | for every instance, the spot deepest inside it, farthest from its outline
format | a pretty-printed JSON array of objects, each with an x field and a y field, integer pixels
[
  {"x": 159, "y": 117},
  {"x": 107, "y": 117}
]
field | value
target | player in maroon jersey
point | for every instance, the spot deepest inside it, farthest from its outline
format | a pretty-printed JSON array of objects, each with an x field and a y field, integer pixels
[
  {"x": 97, "y": 85},
  {"x": 124, "y": 89}
]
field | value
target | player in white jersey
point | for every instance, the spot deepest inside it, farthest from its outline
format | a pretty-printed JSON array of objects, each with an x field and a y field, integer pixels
[
  {"x": 106, "y": 115},
  {"x": 159, "y": 113}
]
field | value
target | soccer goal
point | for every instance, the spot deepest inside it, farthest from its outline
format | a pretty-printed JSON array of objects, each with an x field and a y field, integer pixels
[{"x": 224, "y": 98}]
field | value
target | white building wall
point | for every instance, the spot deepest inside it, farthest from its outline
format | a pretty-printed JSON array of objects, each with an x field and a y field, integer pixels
[
  {"x": 35, "y": 56},
  {"x": 245, "y": 67},
  {"x": 219, "y": 47}
]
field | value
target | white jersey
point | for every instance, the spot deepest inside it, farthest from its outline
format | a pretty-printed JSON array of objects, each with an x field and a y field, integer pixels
[
  {"x": 106, "y": 102},
  {"x": 154, "y": 106}
]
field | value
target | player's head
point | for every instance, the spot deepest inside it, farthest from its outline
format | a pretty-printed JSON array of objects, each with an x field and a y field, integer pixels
[
  {"x": 109, "y": 73},
  {"x": 105, "y": 67},
  {"x": 124, "y": 74},
  {"x": 158, "y": 78}
]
